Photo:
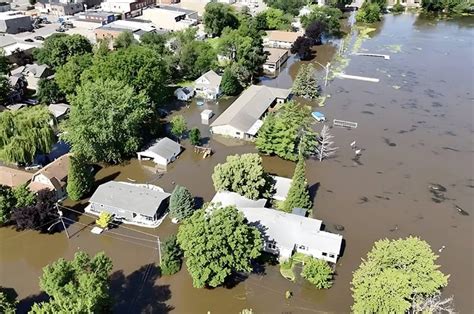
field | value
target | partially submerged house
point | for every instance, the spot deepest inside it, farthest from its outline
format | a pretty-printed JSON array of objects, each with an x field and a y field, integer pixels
[
  {"x": 132, "y": 203},
  {"x": 34, "y": 73},
  {"x": 13, "y": 177},
  {"x": 162, "y": 152},
  {"x": 275, "y": 59},
  {"x": 184, "y": 93},
  {"x": 59, "y": 111},
  {"x": 284, "y": 233},
  {"x": 208, "y": 85},
  {"x": 280, "y": 39},
  {"x": 52, "y": 177},
  {"x": 242, "y": 119}
]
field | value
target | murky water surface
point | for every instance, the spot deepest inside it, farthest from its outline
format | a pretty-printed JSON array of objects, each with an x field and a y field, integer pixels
[{"x": 414, "y": 128}]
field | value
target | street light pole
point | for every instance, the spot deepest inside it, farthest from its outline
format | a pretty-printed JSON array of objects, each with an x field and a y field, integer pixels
[
  {"x": 327, "y": 74},
  {"x": 60, "y": 213}
]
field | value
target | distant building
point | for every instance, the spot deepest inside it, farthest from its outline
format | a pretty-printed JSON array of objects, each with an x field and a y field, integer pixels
[
  {"x": 406, "y": 3},
  {"x": 167, "y": 1},
  {"x": 184, "y": 93},
  {"x": 129, "y": 8},
  {"x": 131, "y": 203},
  {"x": 13, "y": 177},
  {"x": 61, "y": 9},
  {"x": 13, "y": 22},
  {"x": 208, "y": 85},
  {"x": 102, "y": 17},
  {"x": 276, "y": 58},
  {"x": 171, "y": 18},
  {"x": 242, "y": 119},
  {"x": 34, "y": 73},
  {"x": 114, "y": 29},
  {"x": 280, "y": 39},
  {"x": 162, "y": 152},
  {"x": 52, "y": 177}
]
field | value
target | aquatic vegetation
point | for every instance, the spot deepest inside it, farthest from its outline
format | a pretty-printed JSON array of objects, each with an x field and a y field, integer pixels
[{"x": 394, "y": 48}]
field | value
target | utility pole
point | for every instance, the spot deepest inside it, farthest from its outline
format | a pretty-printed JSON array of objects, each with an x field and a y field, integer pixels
[
  {"x": 159, "y": 248},
  {"x": 327, "y": 74},
  {"x": 60, "y": 213}
]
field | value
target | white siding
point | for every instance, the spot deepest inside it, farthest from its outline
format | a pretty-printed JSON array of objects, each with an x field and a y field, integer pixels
[{"x": 227, "y": 130}]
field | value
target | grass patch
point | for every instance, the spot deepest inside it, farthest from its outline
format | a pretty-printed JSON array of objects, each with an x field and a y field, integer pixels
[
  {"x": 286, "y": 270},
  {"x": 185, "y": 83},
  {"x": 300, "y": 258}
]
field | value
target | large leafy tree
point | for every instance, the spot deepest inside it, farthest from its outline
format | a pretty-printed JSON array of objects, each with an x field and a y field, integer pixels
[
  {"x": 77, "y": 286},
  {"x": 317, "y": 272},
  {"x": 298, "y": 195},
  {"x": 217, "y": 242},
  {"x": 39, "y": 215},
  {"x": 315, "y": 31},
  {"x": 23, "y": 196},
  {"x": 107, "y": 120},
  {"x": 24, "y": 133},
  {"x": 328, "y": 16},
  {"x": 48, "y": 92},
  {"x": 287, "y": 132},
  {"x": 124, "y": 40},
  {"x": 396, "y": 274},
  {"x": 7, "y": 202},
  {"x": 57, "y": 48},
  {"x": 290, "y": 6},
  {"x": 79, "y": 179},
  {"x": 68, "y": 76},
  {"x": 7, "y": 304},
  {"x": 230, "y": 84},
  {"x": 276, "y": 19},
  {"x": 243, "y": 174},
  {"x": 368, "y": 13},
  {"x": 305, "y": 84},
  {"x": 178, "y": 126},
  {"x": 181, "y": 203},
  {"x": 172, "y": 256},
  {"x": 196, "y": 58},
  {"x": 218, "y": 16},
  {"x": 302, "y": 47}
]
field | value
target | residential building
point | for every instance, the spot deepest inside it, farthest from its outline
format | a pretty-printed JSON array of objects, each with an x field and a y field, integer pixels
[
  {"x": 406, "y": 3},
  {"x": 4, "y": 7},
  {"x": 162, "y": 152},
  {"x": 13, "y": 177},
  {"x": 136, "y": 27},
  {"x": 13, "y": 22},
  {"x": 59, "y": 111},
  {"x": 130, "y": 8},
  {"x": 280, "y": 39},
  {"x": 208, "y": 85},
  {"x": 142, "y": 205},
  {"x": 242, "y": 119},
  {"x": 52, "y": 177},
  {"x": 19, "y": 84},
  {"x": 284, "y": 233},
  {"x": 184, "y": 93},
  {"x": 171, "y": 18},
  {"x": 276, "y": 58},
  {"x": 34, "y": 73},
  {"x": 61, "y": 9},
  {"x": 282, "y": 187}
]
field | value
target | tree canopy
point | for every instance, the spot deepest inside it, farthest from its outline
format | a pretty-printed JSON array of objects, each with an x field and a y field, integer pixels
[
  {"x": 7, "y": 304},
  {"x": 396, "y": 274},
  {"x": 57, "y": 48},
  {"x": 181, "y": 203},
  {"x": 172, "y": 256},
  {"x": 217, "y": 242},
  {"x": 230, "y": 84},
  {"x": 25, "y": 133},
  {"x": 326, "y": 15},
  {"x": 124, "y": 40},
  {"x": 298, "y": 194},
  {"x": 218, "y": 16},
  {"x": 48, "y": 92},
  {"x": 276, "y": 19},
  {"x": 302, "y": 47},
  {"x": 39, "y": 215},
  {"x": 305, "y": 84},
  {"x": 107, "y": 121},
  {"x": 178, "y": 126},
  {"x": 318, "y": 273},
  {"x": 368, "y": 13},
  {"x": 68, "y": 76},
  {"x": 243, "y": 174},
  {"x": 290, "y": 6},
  {"x": 77, "y": 286},
  {"x": 79, "y": 179},
  {"x": 449, "y": 6}
]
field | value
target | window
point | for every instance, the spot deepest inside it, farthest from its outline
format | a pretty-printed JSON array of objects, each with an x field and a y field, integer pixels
[
  {"x": 331, "y": 255},
  {"x": 325, "y": 254},
  {"x": 271, "y": 246},
  {"x": 302, "y": 247}
]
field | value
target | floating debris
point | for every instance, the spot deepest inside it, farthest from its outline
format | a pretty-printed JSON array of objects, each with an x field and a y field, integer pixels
[
  {"x": 437, "y": 187},
  {"x": 396, "y": 86},
  {"x": 438, "y": 192},
  {"x": 363, "y": 199},
  {"x": 395, "y": 228},
  {"x": 339, "y": 227},
  {"x": 461, "y": 211},
  {"x": 441, "y": 248}
]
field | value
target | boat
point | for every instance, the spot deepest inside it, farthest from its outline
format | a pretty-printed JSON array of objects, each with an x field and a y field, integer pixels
[{"x": 318, "y": 116}]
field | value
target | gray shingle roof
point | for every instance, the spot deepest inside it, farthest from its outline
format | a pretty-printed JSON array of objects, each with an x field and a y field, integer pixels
[
  {"x": 129, "y": 197},
  {"x": 165, "y": 147},
  {"x": 250, "y": 107},
  {"x": 213, "y": 78}
]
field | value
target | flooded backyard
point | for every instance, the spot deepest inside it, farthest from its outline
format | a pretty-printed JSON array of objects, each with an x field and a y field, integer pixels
[{"x": 415, "y": 129}]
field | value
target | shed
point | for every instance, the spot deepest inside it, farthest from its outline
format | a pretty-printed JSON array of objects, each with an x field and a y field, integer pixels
[
  {"x": 206, "y": 115},
  {"x": 162, "y": 152},
  {"x": 184, "y": 93}
]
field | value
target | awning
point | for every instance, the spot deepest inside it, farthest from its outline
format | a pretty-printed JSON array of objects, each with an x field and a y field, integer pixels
[{"x": 255, "y": 127}]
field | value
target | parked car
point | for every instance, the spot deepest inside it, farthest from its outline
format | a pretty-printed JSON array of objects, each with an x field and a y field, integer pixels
[
  {"x": 29, "y": 40},
  {"x": 33, "y": 167},
  {"x": 41, "y": 38},
  {"x": 318, "y": 116},
  {"x": 60, "y": 30}
]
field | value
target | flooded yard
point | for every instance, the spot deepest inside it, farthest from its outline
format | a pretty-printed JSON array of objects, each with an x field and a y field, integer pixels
[{"x": 415, "y": 129}]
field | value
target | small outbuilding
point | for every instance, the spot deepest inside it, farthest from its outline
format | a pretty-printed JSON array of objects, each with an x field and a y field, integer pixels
[
  {"x": 162, "y": 152},
  {"x": 184, "y": 93},
  {"x": 206, "y": 115}
]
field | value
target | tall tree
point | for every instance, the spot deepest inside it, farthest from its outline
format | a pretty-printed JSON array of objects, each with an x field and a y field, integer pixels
[
  {"x": 216, "y": 243},
  {"x": 196, "y": 58},
  {"x": 178, "y": 126},
  {"x": 68, "y": 76},
  {"x": 39, "y": 215},
  {"x": 5, "y": 89},
  {"x": 172, "y": 256},
  {"x": 49, "y": 92},
  {"x": 157, "y": 41},
  {"x": 302, "y": 47},
  {"x": 277, "y": 19},
  {"x": 330, "y": 17},
  {"x": 394, "y": 273},
  {"x": 368, "y": 13},
  {"x": 57, "y": 48},
  {"x": 181, "y": 203},
  {"x": 24, "y": 133},
  {"x": 107, "y": 120},
  {"x": 243, "y": 174},
  {"x": 315, "y": 31},
  {"x": 230, "y": 84},
  {"x": 267, "y": 135},
  {"x": 124, "y": 40},
  {"x": 7, "y": 202},
  {"x": 195, "y": 136},
  {"x": 305, "y": 84},
  {"x": 217, "y": 16},
  {"x": 79, "y": 179},
  {"x": 7, "y": 304},
  {"x": 77, "y": 286},
  {"x": 325, "y": 148},
  {"x": 298, "y": 195},
  {"x": 290, "y": 6}
]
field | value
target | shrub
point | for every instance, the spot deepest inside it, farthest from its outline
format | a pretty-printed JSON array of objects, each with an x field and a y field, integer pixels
[
  {"x": 317, "y": 272},
  {"x": 172, "y": 257}
]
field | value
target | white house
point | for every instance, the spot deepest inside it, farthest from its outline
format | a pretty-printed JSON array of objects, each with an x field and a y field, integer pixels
[
  {"x": 52, "y": 177},
  {"x": 208, "y": 85},
  {"x": 184, "y": 93},
  {"x": 171, "y": 18},
  {"x": 242, "y": 119},
  {"x": 285, "y": 233},
  {"x": 280, "y": 39},
  {"x": 162, "y": 152}
]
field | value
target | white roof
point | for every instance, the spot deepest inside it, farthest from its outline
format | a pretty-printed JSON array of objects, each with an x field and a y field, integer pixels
[
  {"x": 212, "y": 77},
  {"x": 58, "y": 110},
  {"x": 11, "y": 15},
  {"x": 164, "y": 147},
  {"x": 11, "y": 48},
  {"x": 255, "y": 127},
  {"x": 207, "y": 113},
  {"x": 282, "y": 186},
  {"x": 226, "y": 198}
]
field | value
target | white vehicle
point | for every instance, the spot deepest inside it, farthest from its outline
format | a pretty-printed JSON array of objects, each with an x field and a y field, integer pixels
[{"x": 318, "y": 116}]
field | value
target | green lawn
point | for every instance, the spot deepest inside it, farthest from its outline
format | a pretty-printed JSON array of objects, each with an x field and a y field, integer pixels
[{"x": 286, "y": 270}]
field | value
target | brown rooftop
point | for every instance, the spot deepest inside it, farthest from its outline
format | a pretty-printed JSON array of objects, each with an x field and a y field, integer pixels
[
  {"x": 275, "y": 54},
  {"x": 283, "y": 36},
  {"x": 57, "y": 169},
  {"x": 13, "y": 177}
]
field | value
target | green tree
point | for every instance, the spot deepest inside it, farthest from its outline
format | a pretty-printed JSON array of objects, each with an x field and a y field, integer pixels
[
  {"x": 230, "y": 84},
  {"x": 181, "y": 203},
  {"x": 394, "y": 273},
  {"x": 368, "y": 13},
  {"x": 4, "y": 63},
  {"x": 77, "y": 286},
  {"x": 302, "y": 47},
  {"x": 79, "y": 179},
  {"x": 217, "y": 16},
  {"x": 195, "y": 136},
  {"x": 243, "y": 174},
  {"x": 157, "y": 41},
  {"x": 178, "y": 126},
  {"x": 172, "y": 257},
  {"x": 397, "y": 8},
  {"x": 23, "y": 196},
  {"x": 106, "y": 121},
  {"x": 48, "y": 92},
  {"x": 381, "y": 3},
  {"x": 124, "y": 40},
  {"x": 330, "y": 17},
  {"x": 68, "y": 76},
  {"x": 57, "y": 48},
  {"x": 317, "y": 272},
  {"x": 24, "y": 133},
  {"x": 339, "y": 4},
  {"x": 290, "y": 6},
  {"x": 5, "y": 89},
  {"x": 298, "y": 195},
  {"x": 196, "y": 58},
  {"x": 305, "y": 84},
  {"x": 37, "y": 216},
  {"x": 277, "y": 19},
  {"x": 104, "y": 220},
  {"x": 217, "y": 242},
  {"x": 7, "y": 202},
  {"x": 7, "y": 304}
]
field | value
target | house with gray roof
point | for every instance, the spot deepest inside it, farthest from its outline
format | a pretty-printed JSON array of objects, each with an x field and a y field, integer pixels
[
  {"x": 285, "y": 233},
  {"x": 162, "y": 152},
  {"x": 208, "y": 85},
  {"x": 34, "y": 73},
  {"x": 138, "y": 204},
  {"x": 242, "y": 119},
  {"x": 59, "y": 111}
]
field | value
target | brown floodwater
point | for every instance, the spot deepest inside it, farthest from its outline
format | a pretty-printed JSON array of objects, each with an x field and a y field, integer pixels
[{"x": 415, "y": 128}]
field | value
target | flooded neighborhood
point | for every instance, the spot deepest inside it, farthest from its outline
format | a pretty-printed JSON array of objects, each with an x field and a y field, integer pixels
[{"x": 406, "y": 169}]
